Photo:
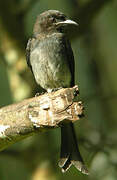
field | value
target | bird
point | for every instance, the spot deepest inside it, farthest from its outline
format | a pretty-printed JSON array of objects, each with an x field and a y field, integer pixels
[{"x": 50, "y": 58}]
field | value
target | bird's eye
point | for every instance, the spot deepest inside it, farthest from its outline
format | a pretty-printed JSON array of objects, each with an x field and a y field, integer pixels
[
  {"x": 62, "y": 18},
  {"x": 52, "y": 19}
]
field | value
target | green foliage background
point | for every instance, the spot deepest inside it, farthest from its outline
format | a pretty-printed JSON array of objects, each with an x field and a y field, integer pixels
[{"x": 95, "y": 49}]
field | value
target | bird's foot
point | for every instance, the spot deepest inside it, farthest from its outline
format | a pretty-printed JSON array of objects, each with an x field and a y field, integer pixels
[
  {"x": 38, "y": 94},
  {"x": 53, "y": 90}
]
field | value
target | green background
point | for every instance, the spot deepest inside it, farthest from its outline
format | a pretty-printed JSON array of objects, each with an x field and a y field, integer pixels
[{"x": 94, "y": 43}]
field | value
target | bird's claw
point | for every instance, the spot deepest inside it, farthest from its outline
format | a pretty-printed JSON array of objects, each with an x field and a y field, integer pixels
[
  {"x": 38, "y": 94},
  {"x": 53, "y": 90}
]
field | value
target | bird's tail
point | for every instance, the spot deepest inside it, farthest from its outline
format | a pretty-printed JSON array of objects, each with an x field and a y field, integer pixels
[{"x": 70, "y": 154}]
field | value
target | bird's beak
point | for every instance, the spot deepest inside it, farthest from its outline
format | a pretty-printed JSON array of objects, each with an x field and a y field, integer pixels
[{"x": 68, "y": 21}]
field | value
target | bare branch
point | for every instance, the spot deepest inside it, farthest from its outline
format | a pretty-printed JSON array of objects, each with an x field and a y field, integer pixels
[{"x": 37, "y": 114}]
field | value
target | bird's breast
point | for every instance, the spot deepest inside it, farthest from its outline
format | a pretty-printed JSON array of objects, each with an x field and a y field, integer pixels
[{"x": 49, "y": 63}]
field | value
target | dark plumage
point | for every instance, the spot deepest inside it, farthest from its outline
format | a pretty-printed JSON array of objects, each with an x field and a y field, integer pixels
[{"x": 50, "y": 57}]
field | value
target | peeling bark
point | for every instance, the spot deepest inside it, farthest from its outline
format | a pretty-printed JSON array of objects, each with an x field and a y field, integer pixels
[{"x": 37, "y": 114}]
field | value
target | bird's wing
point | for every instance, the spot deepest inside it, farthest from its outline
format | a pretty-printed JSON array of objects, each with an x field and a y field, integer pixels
[
  {"x": 28, "y": 51},
  {"x": 70, "y": 59}
]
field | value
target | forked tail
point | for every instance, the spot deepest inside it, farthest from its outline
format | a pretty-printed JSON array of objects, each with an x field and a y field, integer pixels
[{"x": 70, "y": 154}]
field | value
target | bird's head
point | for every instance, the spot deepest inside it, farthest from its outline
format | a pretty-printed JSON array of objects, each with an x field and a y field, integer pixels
[{"x": 51, "y": 21}]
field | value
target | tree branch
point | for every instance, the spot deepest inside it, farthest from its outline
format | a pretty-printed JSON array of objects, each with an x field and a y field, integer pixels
[{"x": 37, "y": 114}]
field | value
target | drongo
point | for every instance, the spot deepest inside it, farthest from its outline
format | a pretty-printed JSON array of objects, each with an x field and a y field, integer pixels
[{"x": 50, "y": 57}]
